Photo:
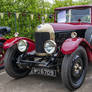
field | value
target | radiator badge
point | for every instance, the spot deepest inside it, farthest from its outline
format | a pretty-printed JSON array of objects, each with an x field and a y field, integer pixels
[{"x": 39, "y": 27}]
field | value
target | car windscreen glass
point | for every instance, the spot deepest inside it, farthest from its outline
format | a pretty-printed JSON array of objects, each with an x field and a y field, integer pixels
[
  {"x": 61, "y": 17},
  {"x": 74, "y": 15},
  {"x": 82, "y": 15}
]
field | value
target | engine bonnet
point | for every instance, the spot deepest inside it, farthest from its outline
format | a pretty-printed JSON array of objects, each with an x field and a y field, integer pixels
[
  {"x": 46, "y": 28},
  {"x": 64, "y": 27},
  {"x": 54, "y": 27}
]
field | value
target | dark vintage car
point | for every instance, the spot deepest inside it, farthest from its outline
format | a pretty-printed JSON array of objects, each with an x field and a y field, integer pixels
[
  {"x": 62, "y": 48},
  {"x": 3, "y": 31}
]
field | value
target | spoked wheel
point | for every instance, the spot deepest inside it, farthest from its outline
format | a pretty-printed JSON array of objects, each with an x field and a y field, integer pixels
[
  {"x": 74, "y": 68},
  {"x": 11, "y": 66}
]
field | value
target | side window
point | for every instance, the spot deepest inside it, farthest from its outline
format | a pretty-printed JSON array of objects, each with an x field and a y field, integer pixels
[{"x": 61, "y": 16}]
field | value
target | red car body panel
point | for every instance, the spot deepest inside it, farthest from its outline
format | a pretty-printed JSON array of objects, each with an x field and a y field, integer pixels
[
  {"x": 68, "y": 27},
  {"x": 13, "y": 41},
  {"x": 71, "y": 44}
]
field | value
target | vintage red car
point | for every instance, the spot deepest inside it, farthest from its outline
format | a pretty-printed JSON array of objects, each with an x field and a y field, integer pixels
[
  {"x": 9, "y": 42},
  {"x": 3, "y": 31},
  {"x": 63, "y": 47}
]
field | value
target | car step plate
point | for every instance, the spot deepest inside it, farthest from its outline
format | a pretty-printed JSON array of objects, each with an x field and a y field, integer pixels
[{"x": 44, "y": 71}]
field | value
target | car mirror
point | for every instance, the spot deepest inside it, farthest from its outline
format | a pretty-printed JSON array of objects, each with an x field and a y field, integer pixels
[{"x": 51, "y": 16}]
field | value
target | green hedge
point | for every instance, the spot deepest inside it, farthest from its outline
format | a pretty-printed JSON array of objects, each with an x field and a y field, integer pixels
[{"x": 24, "y": 24}]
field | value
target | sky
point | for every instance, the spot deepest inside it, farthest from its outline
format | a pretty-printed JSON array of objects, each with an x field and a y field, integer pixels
[{"x": 51, "y": 1}]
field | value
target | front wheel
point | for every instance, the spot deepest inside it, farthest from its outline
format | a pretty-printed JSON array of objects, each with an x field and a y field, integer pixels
[
  {"x": 11, "y": 66},
  {"x": 74, "y": 68}
]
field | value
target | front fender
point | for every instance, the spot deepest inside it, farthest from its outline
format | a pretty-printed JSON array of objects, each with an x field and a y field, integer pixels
[
  {"x": 71, "y": 44},
  {"x": 10, "y": 42}
]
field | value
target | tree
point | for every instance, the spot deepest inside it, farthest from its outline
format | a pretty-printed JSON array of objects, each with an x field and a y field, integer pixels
[{"x": 25, "y": 24}]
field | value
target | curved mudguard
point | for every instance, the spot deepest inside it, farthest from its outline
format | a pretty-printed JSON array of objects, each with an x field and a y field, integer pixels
[
  {"x": 10, "y": 42},
  {"x": 71, "y": 44}
]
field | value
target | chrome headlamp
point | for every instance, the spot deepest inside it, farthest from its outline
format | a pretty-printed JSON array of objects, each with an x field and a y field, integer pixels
[
  {"x": 50, "y": 47},
  {"x": 73, "y": 34},
  {"x": 22, "y": 45}
]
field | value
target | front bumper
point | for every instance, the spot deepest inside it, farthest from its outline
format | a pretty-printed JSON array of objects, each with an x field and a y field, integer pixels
[{"x": 35, "y": 60}]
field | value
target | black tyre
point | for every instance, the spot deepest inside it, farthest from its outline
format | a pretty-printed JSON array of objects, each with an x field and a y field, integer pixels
[
  {"x": 2, "y": 65},
  {"x": 11, "y": 67},
  {"x": 74, "y": 68}
]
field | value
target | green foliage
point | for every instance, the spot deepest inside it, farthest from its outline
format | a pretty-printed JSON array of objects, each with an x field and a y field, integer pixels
[{"x": 25, "y": 24}]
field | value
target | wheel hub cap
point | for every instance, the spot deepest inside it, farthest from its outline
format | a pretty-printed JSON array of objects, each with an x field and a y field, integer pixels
[{"x": 77, "y": 67}]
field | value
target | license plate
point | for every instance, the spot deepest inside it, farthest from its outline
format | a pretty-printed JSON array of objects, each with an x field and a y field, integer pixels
[{"x": 44, "y": 71}]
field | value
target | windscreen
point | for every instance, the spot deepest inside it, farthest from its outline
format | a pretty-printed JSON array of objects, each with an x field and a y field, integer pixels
[{"x": 74, "y": 15}]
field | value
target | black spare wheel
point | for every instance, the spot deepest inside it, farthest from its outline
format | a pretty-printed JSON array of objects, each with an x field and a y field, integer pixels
[
  {"x": 11, "y": 66},
  {"x": 74, "y": 68}
]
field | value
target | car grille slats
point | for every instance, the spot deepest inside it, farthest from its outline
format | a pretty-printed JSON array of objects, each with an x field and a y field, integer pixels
[{"x": 40, "y": 39}]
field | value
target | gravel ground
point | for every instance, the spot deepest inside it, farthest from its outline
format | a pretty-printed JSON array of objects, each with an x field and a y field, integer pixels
[{"x": 36, "y": 83}]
